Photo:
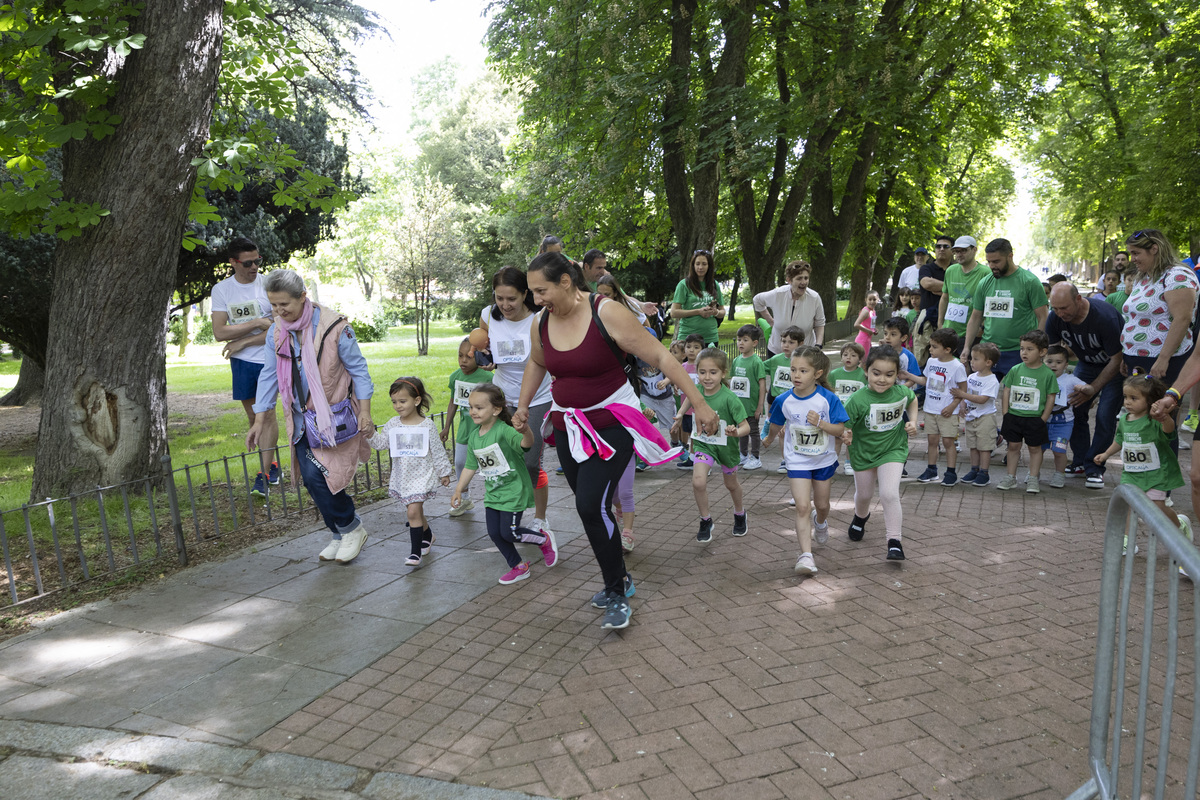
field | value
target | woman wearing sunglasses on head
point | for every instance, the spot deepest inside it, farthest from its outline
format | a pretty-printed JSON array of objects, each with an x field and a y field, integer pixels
[{"x": 1157, "y": 337}]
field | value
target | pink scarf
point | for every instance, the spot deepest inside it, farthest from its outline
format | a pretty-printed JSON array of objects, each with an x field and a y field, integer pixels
[{"x": 308, "y": 360}]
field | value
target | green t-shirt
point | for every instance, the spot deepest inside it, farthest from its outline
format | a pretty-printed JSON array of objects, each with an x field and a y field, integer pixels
[
  {"x": 743, "y": 382},
  {"x": 1117, "y": 300},
  {"x": 705, "y": 326},
  {"x": 731, "y": 411},
  {"x": 1146, "y": 451},
  {"x": 910, "y": 316},
  {"x": 877, "y": 426},
  {"x": 778, "y": 380},
  {"x": 959, "y": 289},
  {"x": 1008, "y": 304},
  {"x": 461, "y": 386},
  {"x": 1028, "y": 389},
  {"x": 498, "y": 456},
  {"x": 846, "y": 383}
]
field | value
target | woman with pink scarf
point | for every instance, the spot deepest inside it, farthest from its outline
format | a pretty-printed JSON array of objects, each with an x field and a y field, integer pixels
[
  {"x": 315, "y": 363},
  {"x": 594, "y": 415}
]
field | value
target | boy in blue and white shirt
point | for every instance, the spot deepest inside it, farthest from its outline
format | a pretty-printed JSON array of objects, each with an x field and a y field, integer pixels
[{"x": 1062, "y": 418}]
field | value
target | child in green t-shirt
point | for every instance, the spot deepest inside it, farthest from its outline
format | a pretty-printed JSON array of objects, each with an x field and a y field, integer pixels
[
  {"x": 497, "y": 451},
  {"x": 721, "y": 448},
  {"x": 779, "y": 374},
  {"x": 876, "y": 438},
  {"x": 846, "y": 380},
  {"x": 461, "y": 382},
  {"x": 1026, "y": 402},
  {"x": 749, "y": 382},
  {"x": 1145, "y": 445}
]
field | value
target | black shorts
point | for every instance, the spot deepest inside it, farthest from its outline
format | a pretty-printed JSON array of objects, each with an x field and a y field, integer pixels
[{"x": 1030, "y": 430}]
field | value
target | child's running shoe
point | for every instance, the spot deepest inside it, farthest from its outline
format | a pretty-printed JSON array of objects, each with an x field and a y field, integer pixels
[
  {"x": 929, "y": 475},
  {"x": 740, "y": 526},
  {"x": 1058, "y": 480},
  {"x": 600, "y": 598},
  {"x": 950, "y": 478},
  {"x": 858, "y": 527},
  {"x": 1094, "y": 481},
  {"x": 684, "y": 463},
  {"x": 752, "y": 463},
  {"x": 805, "y": 565},
  {"x": 1125, "y": 546},
  {"x": 549, "y": 548},
  {"x": 847, "y": 469},
  {"x": 970, "y": 476},
  {"x": 518, "y": 573},
  {"x": 1032, "y": 485},
  {"x": 1076, "y": 471},
  {"x": 782, "y": 468},
  {"x": 820, "y": 529},
  {"x": 463, "y": 507},
  {"x": 1007, "y": 482},
  {"x": 260, "y": 486},
  {"x": 983, "y": 479},
  {"x": 895, "y": 550},
  {"x": 617, "y": 614},
  {"x": 705, "y": 532}
]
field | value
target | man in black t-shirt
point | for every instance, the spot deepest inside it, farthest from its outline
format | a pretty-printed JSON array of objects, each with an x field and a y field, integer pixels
[{"x": 1092, "y": 329}]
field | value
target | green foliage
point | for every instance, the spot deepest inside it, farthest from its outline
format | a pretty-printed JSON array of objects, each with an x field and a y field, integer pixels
[
  {"x": 374, "y": 329},
  {"x": 204, "y": 332}
]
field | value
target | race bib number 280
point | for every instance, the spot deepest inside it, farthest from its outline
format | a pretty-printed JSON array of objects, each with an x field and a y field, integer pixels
[{"x": 998, "y": 307}]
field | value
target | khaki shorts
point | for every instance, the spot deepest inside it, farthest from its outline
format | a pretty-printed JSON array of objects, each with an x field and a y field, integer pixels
[
  {"x": 937, "y": 425},
  {"x": 981, "y": 433}
]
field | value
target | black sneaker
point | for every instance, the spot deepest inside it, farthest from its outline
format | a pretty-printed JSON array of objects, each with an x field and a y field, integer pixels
[
  {"x": 705, "y": 532},
  {"x": 895, "y": 551},
  {"x": 949, "y": 478},
  {"x": 260, "y": 486},
  {"x": 617, "y": 614},
  {"x": 970, "y": 476},
  {"x": 740, "y": 528},
  {"x": 904, "y": 472},
  {"x": 600, "y": 598},
  {"x": 1077, "y": 470},
  {"x": 858, "y": 527},
  {"x": 929, "y": 475}
]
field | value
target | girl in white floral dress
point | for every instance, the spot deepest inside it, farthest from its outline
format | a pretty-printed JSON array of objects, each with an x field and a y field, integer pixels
[{"x": 419, "y": 460}]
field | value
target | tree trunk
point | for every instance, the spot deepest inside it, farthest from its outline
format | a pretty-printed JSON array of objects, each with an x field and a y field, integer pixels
[
  {"x": 30, "y": 382},
  {"x": 104, "y": 416},
  {"x": 733, "y": 294}
]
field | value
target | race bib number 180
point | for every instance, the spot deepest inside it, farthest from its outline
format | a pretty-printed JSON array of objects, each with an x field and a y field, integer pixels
[{"x": 1140, "y": 457}]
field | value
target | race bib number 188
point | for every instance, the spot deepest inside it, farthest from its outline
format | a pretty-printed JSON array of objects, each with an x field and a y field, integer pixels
[{"x": 885, "y": 416}]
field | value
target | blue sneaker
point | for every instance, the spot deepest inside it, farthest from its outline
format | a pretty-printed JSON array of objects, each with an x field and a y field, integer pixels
[
  {"x": 273, "y": 473},
  {"x": 683, "y": 463},
  {"x": 600, "y": 598},
  {"x": 260, "y": 486},
  {"x": 617, "y": 614}
]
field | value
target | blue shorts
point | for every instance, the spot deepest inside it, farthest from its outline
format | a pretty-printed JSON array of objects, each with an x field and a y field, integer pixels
[
  {"x": 245, "y": 378},
  {"x": 1059, "y": 430},
  {"x": 822, "y": 474}
]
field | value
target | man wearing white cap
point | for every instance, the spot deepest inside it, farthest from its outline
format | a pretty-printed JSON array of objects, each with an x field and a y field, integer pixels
[
  {"x": 910, "y": 277},
  {"x": 962, "y": 278}
]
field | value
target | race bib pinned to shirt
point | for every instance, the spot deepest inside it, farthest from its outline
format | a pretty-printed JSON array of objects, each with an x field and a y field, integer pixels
[
  {"x": 846, "y": 388},
  {"x": 718, "y": 439},
  {"x": 492, "y": 463},
  {"x": 740, "y": 387},
  {"x": 885, "y": 416},
  {"x": 409, "y": 441},
  {"x": 998, "y": 307},
  {"x": 244, "y": 312},
  {"x": 1140, "y": 457},
  {"x": 957, "y": 312},
  {"x": 1024, "y": 398},
  {"x": 783, "y": 378},
  {"x": 462, "y": 393},
  {"x": 808, "y": 440},
  {"x": 510, "y": 351}
]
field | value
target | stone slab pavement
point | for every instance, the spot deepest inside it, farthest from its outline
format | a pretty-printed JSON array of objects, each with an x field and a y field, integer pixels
[{"x": 963, "y": 672}]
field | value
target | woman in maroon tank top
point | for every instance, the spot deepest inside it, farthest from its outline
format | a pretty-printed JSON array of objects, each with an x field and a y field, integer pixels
[{"x": 590, "y": 384}]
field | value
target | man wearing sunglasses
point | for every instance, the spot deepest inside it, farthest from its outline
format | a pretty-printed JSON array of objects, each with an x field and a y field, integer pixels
[{"x": 241, "y": 314}]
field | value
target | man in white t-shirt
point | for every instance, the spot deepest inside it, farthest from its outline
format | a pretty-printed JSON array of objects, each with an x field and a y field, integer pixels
[
  {"x": 910, "y": 277},
  {"x": 241, "y": 314}
]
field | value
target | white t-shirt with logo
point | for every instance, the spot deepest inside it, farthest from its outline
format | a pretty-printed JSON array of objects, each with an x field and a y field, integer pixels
[
  {"x": 243, "y": 302},
  {"x": 511, "y": 345}
]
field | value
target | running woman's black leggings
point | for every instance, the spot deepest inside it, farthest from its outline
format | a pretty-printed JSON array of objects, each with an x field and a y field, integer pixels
[{"x": 594, "y": 483}]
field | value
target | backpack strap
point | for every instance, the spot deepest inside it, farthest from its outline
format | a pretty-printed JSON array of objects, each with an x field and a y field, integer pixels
[{"x": 617, "y": 352}]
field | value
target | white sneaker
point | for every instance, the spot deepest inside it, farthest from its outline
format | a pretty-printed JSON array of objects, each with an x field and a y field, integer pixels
[
  {"x": 752, "y": 463},
  {"x": 847, "y": 469},
  {"x": 782, "y": 468},
  {"x": 1032, "y": 486},
  {"x": 742, "y": 461},
  {"x": 331, "y": 550},
  {"x": 820, "y": 532},
  {"x": 805, "y": 565},
  {"x": 352, "y": 545},
  {"x": 465, "y": 506},
  {"x": 1058, "y": 480}
]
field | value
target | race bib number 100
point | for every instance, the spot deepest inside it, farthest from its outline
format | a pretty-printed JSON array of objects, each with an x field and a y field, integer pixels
[{"x": 885, "y": 416}]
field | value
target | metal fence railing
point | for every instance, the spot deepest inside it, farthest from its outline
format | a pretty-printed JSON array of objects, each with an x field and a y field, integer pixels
[
  {"x": 62, "y": 543},
  {"x": 1164, "y": 675}
]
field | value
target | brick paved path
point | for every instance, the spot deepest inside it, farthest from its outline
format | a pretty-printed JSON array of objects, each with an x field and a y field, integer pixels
[{"x": 964, "y": 672}]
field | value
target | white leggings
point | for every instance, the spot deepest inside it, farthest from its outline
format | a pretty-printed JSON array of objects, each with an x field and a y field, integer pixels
[{"x": 889, "y": 494}]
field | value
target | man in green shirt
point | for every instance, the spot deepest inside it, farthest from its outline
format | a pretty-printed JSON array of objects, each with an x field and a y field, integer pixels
[
  {"x": 958, "y": 288},
  {"x": 1006, "y": 304}
]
